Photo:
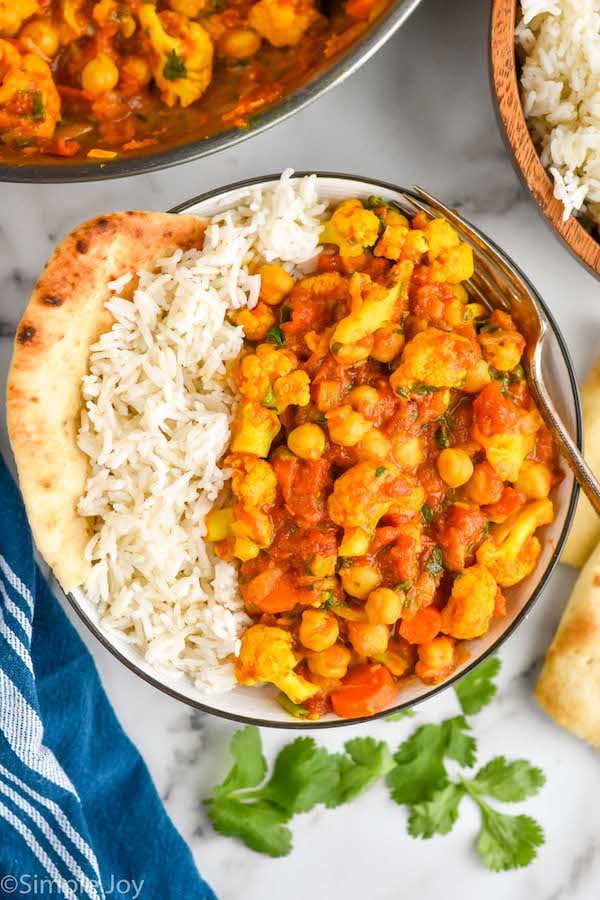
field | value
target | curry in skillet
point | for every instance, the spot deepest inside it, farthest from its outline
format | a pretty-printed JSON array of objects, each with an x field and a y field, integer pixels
[{"x": 101, "y": 78}]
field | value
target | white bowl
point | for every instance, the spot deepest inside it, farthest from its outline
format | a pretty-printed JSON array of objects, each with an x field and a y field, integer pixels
[{"x": 257, "y": 705}]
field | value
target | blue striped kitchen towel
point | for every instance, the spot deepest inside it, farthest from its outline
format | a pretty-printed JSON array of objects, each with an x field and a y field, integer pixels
[{"x": 79, "y": 815}]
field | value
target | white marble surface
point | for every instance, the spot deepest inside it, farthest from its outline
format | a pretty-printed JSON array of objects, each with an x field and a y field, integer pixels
[{"x": 420, "y": 112}]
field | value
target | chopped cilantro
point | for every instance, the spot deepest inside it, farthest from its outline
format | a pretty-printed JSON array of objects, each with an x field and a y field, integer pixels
[
  {"x": 434, "y": 564},
  {"x": 38, "y": 112},
  {"x": 442, "y": 435},
  {"x": 174, "y": 67},
  {"x": 379, "y": 471},
  {"x": 269, "y": 399},
  {"x": 427, "y": 514},
  {"x": 275, "y": 335}
]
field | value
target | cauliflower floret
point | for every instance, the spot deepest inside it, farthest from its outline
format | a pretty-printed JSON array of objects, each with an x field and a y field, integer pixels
[
  {"x": 361, "y": 496},
  {"x": 506, "y": 453},
  {"x": 253, "y": 429},
  {"x": 266, "y": 655},
  {"x": 255, "y": 322},
  {"x": 471, "y": 605},
  {"x": 253, "y": 481},
  {"x": 183, "y": 55},
  {"x": 437, "y": 659},
  {"x": 13, "y": 13},
  {"x": 453, "y": 265},
  {"x": 391, "y": 243},
  {"x": 29, "y": 101},
  {"x": 282, "y": 22},
  {"x": 291, "y": 390},
  {"x": 512, "y": 551},
  {"x": 501, "y": 344},
  {"x": 352, "y": 228},
  {"x": 257, "y": 371},
  {"x": 439, "y": 359},
  {"x": 252, "y": 530},
  {"x": 440, "y": 236},
  {"x": 372, "y": 306}
]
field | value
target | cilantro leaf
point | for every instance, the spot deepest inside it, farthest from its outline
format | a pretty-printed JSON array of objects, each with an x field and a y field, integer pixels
[
  {"x": 260, "y": 825},
  {"x": 38, "y": 110},
  {"x": 509, "y": 782},
  {"x": 174, "y": 67},
  {"x": 427, "y": 514},
  {"x": 401, "y": 714},
  {"x": 303, "y": 775},
  {"x": 275, "y": 335},
  {"x": 364, "y": 763},
  {"x": 477, "y": 689},
  {"x": 460, "y": 746},
  {"x": 507, "y": 842},
  {"x": 419, "y": 770},
  {"x": 249, "y": 766},
  {"x": 437, "y": 815},
  {"x": 442, "y": 435}
]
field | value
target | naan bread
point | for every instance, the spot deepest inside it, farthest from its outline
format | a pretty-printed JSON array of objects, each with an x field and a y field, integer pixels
[
  {"x": 569, "y": 686},
  {"x": 585, "y": 531},
  {"x": 64, "y": 317}
]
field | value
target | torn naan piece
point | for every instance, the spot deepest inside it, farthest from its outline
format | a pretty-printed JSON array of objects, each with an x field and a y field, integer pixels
[
  {"x": 65, "y": 316},
  {"x": 585, "y": 531},
  {"x": 569, "y": 685}
]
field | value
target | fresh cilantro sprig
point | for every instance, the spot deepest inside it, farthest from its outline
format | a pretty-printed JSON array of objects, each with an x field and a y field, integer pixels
[
  {"x": 257, "y": 807},
  {"x": 244, "y": 805},
  {"x": 477, "y": 689},
  {"x": 504, "y": 841}
]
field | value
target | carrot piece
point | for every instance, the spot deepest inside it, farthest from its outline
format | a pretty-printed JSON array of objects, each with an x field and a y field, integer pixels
[
  {"x": 366, "y": 689},
  {"x": 423, "y": 627},
  {"x": 272, "y": 592}
]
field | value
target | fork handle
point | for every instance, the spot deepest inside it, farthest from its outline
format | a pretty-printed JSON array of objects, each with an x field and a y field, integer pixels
[{"x": 584, "y": 476}]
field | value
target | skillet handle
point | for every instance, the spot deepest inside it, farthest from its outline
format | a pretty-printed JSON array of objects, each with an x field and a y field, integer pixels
[{"x": 584, "y": 476}]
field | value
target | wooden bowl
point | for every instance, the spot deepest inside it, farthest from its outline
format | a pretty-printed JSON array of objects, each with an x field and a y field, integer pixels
[{"x": 503, "y": 73}]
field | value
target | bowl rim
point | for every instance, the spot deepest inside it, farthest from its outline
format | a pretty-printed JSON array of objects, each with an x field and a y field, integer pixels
[
  {"x": 295, "y": 724},
  {"x": 510, "y": 117},
  {"x": 347, "y": 63}
]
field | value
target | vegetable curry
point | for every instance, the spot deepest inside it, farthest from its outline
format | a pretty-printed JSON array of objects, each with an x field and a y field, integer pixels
[
  {"x": 389, "y": 468},
  {"x": 101, "y": 78}
]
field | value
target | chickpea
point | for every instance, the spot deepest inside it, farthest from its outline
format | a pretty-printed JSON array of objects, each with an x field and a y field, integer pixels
[
  {"x": 99, "y": 75},
  {"x": 408, "y": 453},
  {"x": 318, "y": 629},
  {"x": 330, "y": 663},
  {"x": 239, "y": 43},
  {"x": 136, "y": 68},
  {"x": 275, "y": 283},
  {"x": 348, "y": 354},
  {"x": 346, "y": 427},
  {"x": 367, "y": 639},
  {"x": 485, "y": 485},
  {"x": 359, "y": 581},
  {"x": 323, "y": 566},
  {"x": 477, "y": 377},
  {"x": 436, "y": 658},
  {"x": 383, "y": 606},
  {"x": 42, "y": 34},
  {"x": 307, "y": 441},
  {"x": 364, "y": 399},
  {"x": 534, "y": 480},
  {"x": 355, "y": 542},
  {"x": 455, "y": 467},
  {"x": 388, "y": 343},
  {"x": 374, "y": 445}
]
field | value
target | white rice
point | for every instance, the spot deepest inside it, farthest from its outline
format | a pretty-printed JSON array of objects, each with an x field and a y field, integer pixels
[
  {"x": 158, "y": 407},
  {"x": 560, "y": 83}
]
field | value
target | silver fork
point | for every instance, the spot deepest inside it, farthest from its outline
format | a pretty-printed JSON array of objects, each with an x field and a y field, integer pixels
[{"x": 497, "y": 283}]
